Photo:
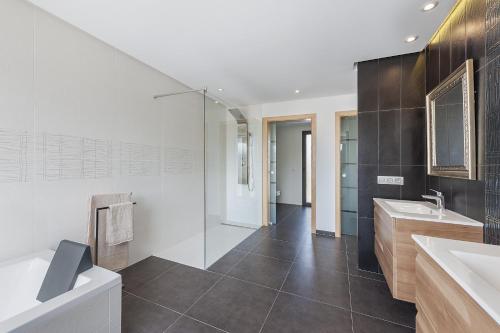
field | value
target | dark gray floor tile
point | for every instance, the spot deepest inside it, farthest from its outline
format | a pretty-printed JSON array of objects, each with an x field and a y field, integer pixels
[
  {"x": 224, "y": 264},
  {"x": 283, "y": 211},
  {"x": 250, "y": 242},
  {"x": 262, "y": 270},
  {"x": 337, "y": 244},
  {"x": 366, "y": 274},
  {"x": 179, "y": 287},
  {"x": 290, "y": 235},
  {"x": 323, "y": 285},
  {"x": 188, "y": 325},
  {"x": 144, "y": 271},
  {"x": 294, "y": 227},
  {"x": 374, "y": 298},
  {"x": 277, "y": 249},
  {"x": 365, "y": 324},
  {"x": 262, "y": 232},
  {"x": 323, "y": 257},
  {"x": 294, "y": 314},
  {"x": 234, "y": 306},
  {"x": 139, "y": 316}
]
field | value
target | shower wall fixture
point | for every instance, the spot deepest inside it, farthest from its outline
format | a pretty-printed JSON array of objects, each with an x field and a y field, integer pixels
[{"x": 243, "y": 150}]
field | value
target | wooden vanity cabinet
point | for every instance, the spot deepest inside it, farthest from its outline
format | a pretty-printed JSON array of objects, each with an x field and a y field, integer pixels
[
  {"x": 443, "y": 305},
  {"x": 395, "y": 249}
]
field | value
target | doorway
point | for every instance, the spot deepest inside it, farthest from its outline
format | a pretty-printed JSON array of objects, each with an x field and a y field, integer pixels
[
  {"x": 346, "y": 180},
  {"x": 306, "y": 171},
  {"x": 306, "y": 168}
]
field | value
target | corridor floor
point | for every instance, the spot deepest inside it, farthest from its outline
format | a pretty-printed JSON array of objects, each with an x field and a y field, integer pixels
[{"x": 279, "y": 279}]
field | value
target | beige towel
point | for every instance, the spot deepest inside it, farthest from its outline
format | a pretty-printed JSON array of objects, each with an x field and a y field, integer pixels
[
  {"x": 119, "y": 223},
  {"x": 110, "y": 257}
]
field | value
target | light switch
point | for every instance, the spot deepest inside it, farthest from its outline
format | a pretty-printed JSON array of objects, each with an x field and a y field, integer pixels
[{"x": 391, "y": 180}]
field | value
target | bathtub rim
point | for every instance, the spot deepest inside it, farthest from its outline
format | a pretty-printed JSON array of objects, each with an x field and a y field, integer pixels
[{"x": 101, "y": 280}]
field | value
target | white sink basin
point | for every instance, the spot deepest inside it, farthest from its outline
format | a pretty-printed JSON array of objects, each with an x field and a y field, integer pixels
[
  {"x": 413, "y": 208},
  {"x": 481, "y": 264},
  {"x": 422, "y": 211}
]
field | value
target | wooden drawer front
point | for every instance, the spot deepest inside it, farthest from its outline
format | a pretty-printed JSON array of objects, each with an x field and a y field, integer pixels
[
  {"x": 423, "y": 323},
  {"x": 385, "y": 261},
  {"x": 405, "y": 252},
  {"x": 443, "y": 306},
  {"x": 384, "y": 229}
]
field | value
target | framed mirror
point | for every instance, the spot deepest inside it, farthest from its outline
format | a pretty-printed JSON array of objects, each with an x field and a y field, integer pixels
[{"x": 451, "y": 138}]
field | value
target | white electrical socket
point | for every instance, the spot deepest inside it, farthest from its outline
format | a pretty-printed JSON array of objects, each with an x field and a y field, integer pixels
[{"x": 390, "y": 180}]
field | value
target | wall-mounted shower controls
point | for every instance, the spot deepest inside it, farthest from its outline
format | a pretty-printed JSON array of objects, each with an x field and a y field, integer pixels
[
  {"x": 390, "y": 180},
  {"x": 242, "y": 145}
]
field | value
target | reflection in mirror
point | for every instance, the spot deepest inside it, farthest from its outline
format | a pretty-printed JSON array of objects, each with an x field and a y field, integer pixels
[
  {"x": 451, "y": 144},
  {"x": 449, "y": 127}
]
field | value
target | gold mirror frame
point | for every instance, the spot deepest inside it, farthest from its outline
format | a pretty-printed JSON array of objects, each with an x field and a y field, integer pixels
[{"x": 465, "y": 75}]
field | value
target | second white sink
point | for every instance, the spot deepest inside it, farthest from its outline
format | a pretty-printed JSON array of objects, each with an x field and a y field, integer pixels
[
  {"x": 475, "y": 267},
  {"x": 481, "y": 264}
]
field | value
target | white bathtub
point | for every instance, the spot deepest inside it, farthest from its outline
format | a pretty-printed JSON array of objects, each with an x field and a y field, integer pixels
[{"x": 94, "y": 304}]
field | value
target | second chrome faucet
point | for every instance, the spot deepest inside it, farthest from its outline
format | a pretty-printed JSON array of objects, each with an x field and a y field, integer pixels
[{"x": 439, "y": 198}]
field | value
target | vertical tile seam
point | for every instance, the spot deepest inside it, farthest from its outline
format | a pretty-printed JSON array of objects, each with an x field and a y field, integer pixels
[{"x": 400, "y": 122}]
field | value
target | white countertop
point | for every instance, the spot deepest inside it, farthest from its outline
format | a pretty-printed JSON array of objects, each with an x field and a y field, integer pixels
[
  {"x": 447, "y": 216},
  {"x": 474, "y": 266}
]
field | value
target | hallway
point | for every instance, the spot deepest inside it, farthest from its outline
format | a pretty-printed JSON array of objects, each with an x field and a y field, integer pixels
[{"x": 279, "y": 279}]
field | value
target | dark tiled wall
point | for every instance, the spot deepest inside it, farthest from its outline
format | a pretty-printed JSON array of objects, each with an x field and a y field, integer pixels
[
  {"x": 472, "y": 31},
  {"x": 391, "y": 120}
]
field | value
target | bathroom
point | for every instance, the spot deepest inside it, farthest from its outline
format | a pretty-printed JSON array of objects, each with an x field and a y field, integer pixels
[{"x": 93, "y": 104}]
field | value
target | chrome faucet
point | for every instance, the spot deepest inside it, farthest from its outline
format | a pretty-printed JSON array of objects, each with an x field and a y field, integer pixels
[{"x": 439, "y": 197}]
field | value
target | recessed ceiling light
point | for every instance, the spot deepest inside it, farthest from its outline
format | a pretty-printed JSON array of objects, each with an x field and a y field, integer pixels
[
  {"x": 216, "y": 102},
  {"x": 297, "y": 91},
  {"x": 411, "y": 39},
  {"x": 430, "y": 6},
  {"x": 220, "y": 89}
]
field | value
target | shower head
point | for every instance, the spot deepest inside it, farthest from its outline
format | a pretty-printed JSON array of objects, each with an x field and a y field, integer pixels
[{"x": 238, "y": 115}]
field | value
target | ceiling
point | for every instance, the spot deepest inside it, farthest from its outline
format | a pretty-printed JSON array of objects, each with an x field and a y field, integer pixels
[{"x": 258, "y": 51}]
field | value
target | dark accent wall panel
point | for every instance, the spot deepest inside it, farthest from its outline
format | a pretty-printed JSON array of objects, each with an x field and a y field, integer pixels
[
  {"x": 475, "y": 18},
  {"x": 391, "y": 138},
  {"x": 414, "y": 176},
  {"x": 367, "y": 175},
  {"x": 492, "y": 126},
  {"x": 432, "y": 65},
  {"x": 391, "y": 100},
  {"x": 476, "y": 199},
  {"x": 458, "y": 33},
  {"x": 366, "y": 255},
  {"x": 413, "y": 80},
  {"x": 367, "y": 86},
  {"x": 413, "y": 142},
  {"x": 444, "y": 52},
  {"x": 389, "y": 83},
  {"x": 368, "y": 138},
  {"x": 462, "y": 36}
]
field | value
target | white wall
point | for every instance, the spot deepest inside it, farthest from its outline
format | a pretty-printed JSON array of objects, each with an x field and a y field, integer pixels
[
  {"x": 325, "y": 109},
  {"x": 65, "y": 96},
  {"x": 289, "y": 162}
]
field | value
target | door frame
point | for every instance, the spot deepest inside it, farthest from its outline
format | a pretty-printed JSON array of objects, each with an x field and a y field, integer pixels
[
  {"x": 304, "y": 163},
  {"x": 338, "y": 117},
  {"x": 265, "y": 161}
]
